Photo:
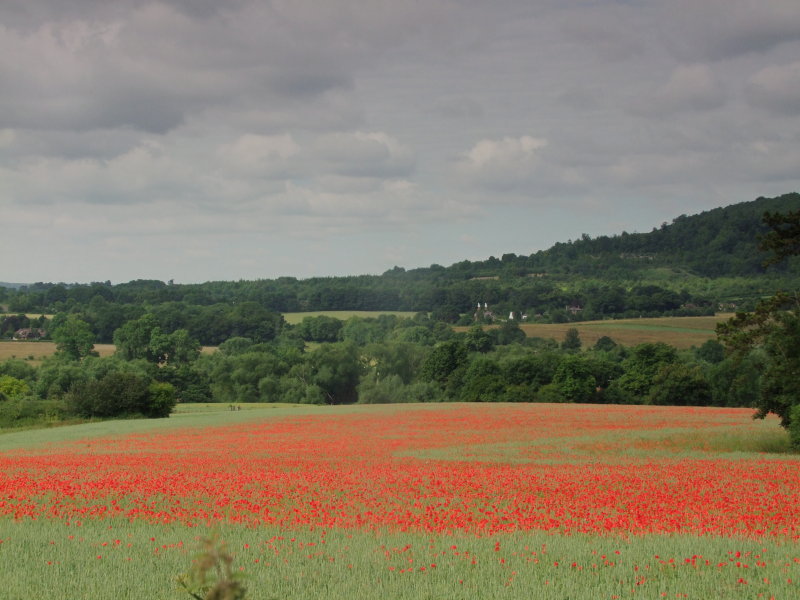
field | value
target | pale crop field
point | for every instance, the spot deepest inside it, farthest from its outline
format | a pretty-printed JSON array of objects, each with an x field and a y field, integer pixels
[
  {"x": 680, "y": 332},
  {"x": 410, "y": 501},
  {"x": 36, "y": 351},
  {"x": 293, "y": 318}
]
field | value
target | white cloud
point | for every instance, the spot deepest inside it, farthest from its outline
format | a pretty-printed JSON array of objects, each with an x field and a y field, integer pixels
[
  {"x": 259, "y": 155},
  {"x": 7, "y": 137},
  {"x": 502, "y": 163}
]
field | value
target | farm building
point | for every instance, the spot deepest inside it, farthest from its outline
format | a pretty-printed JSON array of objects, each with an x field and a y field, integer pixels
[{"x": 29, "y": 333}]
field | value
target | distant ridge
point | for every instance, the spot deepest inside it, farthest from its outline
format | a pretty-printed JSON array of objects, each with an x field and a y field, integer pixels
[
  {"x": 691, "y": 266},
  {"x": 715, "y": 243}
]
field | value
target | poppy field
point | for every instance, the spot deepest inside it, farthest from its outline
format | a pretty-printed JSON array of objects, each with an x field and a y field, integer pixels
[{"x": 412, "y": 501}]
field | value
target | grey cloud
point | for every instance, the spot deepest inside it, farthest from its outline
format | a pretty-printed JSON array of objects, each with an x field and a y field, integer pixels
[
  {"x": 458, "y": 108},
  {"x": 150, "y": 66},
  {"x": 721, "y": 29},
  {"x": 364, "y": 154},
  {"x": 312, "y": 119},
  {"x": 776, "y": 88},
  {"x": 689, "y": 88},
  {"x": 70, "y": 144},
  {"x": 611, "y": 32}
]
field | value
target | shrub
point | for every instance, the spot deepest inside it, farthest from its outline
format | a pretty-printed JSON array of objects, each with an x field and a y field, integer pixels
[
  {"x": 116, "y": 394},
  {"x": 11, "y": 387},
  {"x": 29, "y": 411},
  {"x": 161, "y": 400},
  {"x": 550, "y": 393},
  {"x": 794, "y": 427}
]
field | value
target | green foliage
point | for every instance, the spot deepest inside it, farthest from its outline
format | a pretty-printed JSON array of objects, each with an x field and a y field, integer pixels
[
  {"x": 783, "y": 239},
  {"x": 550, "y": 393},
  {"x": 443, "y": 361},
  {"x": 161, "y": 400},
  {"x": 508, "y": 333},
  {"x": 574, "y": 379},
  {"x": 482, "y": 381},
  {"x": 572, "y": 341},
  {"x": 794, "y": 427},
  {"x": 74, "y": 338},
  {"x": 773, "y": 328},
  {"x": 395, "y": 358},
  {"x": 190, "y": 383},
  {"x": 478, "y": 340},
  {"x": 605, "y": 344},
  {"x": 530, "y": 369},
  {"x": 711, "y": 351},
  {"x": 133, "y": 338},
  {"x": 337, "y": 369},
  {"x": 27, "y": 411},
  {"x": 121, "y": 393},
  {"x": 736, "y": 381},
  {"x": 641, "y": 368},
  {"x": 143, "y": 338},
  {"x": 386, "y": 390},
  {"x": 681, "y": 385},
  {"x": 362, "y": 331},
  {"x": 235, "y": 345},
  {"x": 11, "y": 388},
  {"x": 19, "y": 369},
  {"x": 320, "y": 329},
  {"x": 55, "y": 377}
]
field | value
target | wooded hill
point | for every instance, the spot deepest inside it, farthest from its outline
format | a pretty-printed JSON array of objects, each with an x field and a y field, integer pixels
[
  {"x": 722, "y": 242},
  {"x": 695, "y": 265}
]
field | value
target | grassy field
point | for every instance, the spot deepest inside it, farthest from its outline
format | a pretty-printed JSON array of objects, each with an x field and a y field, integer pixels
[
  {"x": 681, "y": 332},
  {"x": 296, "y": 317},
  {"x": 407, "y": 502}
]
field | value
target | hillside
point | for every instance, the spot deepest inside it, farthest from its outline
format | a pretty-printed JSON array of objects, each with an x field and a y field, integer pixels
[
  {"x": 722, "y": 242},
  {"x": 695, "y": 265}
]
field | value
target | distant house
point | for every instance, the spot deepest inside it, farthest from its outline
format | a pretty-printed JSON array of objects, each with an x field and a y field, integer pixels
[
  {"x": 573, "y": 308},
  {"x": 483, "y": 313},
  {"x": 29, "y": 333}
]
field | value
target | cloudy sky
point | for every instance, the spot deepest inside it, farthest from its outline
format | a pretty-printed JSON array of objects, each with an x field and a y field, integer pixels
[{"x": 202, "y": 140}]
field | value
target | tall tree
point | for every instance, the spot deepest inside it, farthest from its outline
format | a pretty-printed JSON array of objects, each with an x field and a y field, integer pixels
[
  {"x": 774, "y": 326},
  {"x": 74, "y": 338}
]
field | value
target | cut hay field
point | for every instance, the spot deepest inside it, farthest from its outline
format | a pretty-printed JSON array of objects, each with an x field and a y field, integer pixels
[
  {"x": 681, "y": 332},
  {"x": 36, "y": 351},
  {"x": 407, "y": 502},
  {"x": 293, "y": 318}
]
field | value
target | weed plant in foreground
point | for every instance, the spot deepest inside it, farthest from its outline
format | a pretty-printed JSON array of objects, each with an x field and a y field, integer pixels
[{"x": 445, "y": 501}]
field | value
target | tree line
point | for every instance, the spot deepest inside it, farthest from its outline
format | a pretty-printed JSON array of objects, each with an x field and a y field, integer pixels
[{"x": 387, "y": 359}]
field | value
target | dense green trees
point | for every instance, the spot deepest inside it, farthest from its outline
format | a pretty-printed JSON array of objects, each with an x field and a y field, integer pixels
[
  {"x": 158, "y": 329},
  {"x": 143, "y": 338},
  {"x": 121, "y": 393},
  {"x": 152, "y": 370}
]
